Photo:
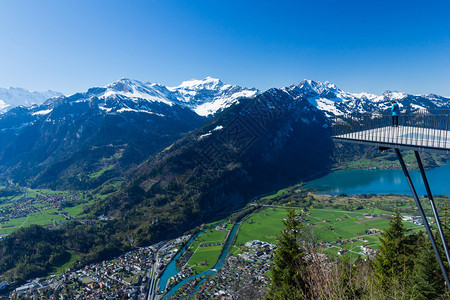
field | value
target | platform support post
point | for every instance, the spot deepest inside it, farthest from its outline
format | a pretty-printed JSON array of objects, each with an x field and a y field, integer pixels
[
  {"x": 424, "y": 218},
  {"x": 433, "y": 206}
]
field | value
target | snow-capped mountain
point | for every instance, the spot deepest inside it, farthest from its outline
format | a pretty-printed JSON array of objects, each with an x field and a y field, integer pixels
[
  {"x": 210, "y": 95},
  {"x": 13, "y": 97},
  {"x": 205, "y": 97},
  {"x": 115, "y": 126},
  {"x": 334, "y": 101},
  {"x": 108, "y": 128}
]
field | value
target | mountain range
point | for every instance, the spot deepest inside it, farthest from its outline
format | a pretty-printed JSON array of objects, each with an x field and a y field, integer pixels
[
  {"x": 254, "y": 147},
  {"x": 208, "y": 96},
  {"x": 82, "y": 140}
]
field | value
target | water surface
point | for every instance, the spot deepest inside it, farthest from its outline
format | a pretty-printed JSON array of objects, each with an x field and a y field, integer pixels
[{"x": 354, "y": 182}]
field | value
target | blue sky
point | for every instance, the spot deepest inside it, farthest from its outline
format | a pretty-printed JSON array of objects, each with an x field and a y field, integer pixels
[{"x": 369, "y": 46}]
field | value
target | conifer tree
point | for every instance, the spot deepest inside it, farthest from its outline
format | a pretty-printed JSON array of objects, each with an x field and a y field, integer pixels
[
  {"x": 392, "y": 264},
  {"x": 288, "y": 272},
  {"x": 428, "y": 281},
  {"x": 445, "y": 217}
]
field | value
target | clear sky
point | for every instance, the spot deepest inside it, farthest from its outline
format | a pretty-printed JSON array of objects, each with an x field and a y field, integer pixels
[{"x": 371, "y": 46}]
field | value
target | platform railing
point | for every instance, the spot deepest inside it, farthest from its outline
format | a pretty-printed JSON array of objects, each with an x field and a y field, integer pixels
[{"x": 428, "y": 128}]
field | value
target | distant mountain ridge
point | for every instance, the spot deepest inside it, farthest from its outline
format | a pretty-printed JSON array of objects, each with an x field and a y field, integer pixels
[
  {"x": 334, "y": 101},
  {"x": 13, "y": 97},
  {"x": 209, "y": 96}
]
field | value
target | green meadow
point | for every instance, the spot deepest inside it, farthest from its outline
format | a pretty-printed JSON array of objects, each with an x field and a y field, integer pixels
[
  {"x": 46, "y": 218},
  {"x": 63, "y": 268},
  {"x": 264, "y": 225},
  {"x": 326, "y": 225},
  {"x": 205, "y": 257},
  {"x": 209, "y": 236}
]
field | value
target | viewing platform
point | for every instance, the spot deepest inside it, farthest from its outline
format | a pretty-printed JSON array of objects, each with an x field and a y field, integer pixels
[{"x": 424, "y": 131}]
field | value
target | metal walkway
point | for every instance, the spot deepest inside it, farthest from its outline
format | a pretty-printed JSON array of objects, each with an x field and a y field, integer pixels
[
  {"x": 427, "y": 131},
  {"x": 401, "y": 137}
]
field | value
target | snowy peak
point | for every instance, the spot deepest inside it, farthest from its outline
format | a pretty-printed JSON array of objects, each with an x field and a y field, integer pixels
[
  {"x": 135, "y": 90},
  {"x": 208, "y": 83},
  {"x": 394, "y": 95},
  {"x": 13, "y": 97},
  {"x": 334, "y": 101},
  {"x": 210, "y": 95},
  {"x": 310, "y": 86}
]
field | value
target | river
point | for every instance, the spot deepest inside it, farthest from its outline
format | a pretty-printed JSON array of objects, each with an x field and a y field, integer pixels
[
  {"x": 354, "y": 182},
  {"x": 208, "y": 273}
]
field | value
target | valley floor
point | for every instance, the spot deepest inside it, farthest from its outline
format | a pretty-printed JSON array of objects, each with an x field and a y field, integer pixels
[{"x": 342, "y": 225}]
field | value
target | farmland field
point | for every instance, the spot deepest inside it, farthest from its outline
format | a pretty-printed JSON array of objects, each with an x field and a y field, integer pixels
[
  {"x": 326, "y": 225},
  {"x": 265, "y": 226},
  {"x": 209, "y": 236},
  {"x": 205, "y": 258},
  {"x": 206, "y": 249},
  {"x": 40, "y": 207}
]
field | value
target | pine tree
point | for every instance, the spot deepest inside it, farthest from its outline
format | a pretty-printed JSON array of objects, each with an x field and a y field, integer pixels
[
  {"x": 428, "y": 282},
  {"x": 393, "y": 266},
  {"x": 289, "y": 265},
  {"x": 445, "y": 217}
]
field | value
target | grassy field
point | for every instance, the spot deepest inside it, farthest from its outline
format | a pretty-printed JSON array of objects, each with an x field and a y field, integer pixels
[
  {"x": 48, "y": 192},
  {"x": 265, "y": 226},
  {"x": 132, "y": 279},
  {"x": 43, "y": 218},
  {"x": 279, "y": 193},
  {"x": 209, "y": 236},
  {"x": 99, "y": 173},
  {"x": 63, "y": 268},
  {"x": 205, "y": 258},
  {"x": 47, "y": 218},
  {"x": 326, "y": 225},
  {"x": 5, "y": 201}
]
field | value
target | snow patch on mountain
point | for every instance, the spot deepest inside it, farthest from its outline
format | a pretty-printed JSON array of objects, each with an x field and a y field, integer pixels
[
  {"x": 208, "y": 83},
  {"x": 42, "y": 112},
  {"x": 3, "y": 105}
]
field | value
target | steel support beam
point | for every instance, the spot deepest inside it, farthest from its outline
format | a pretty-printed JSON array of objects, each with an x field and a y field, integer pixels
[
  {"x": 424, "y": 218},
  {"x": 433, "y": 206}
]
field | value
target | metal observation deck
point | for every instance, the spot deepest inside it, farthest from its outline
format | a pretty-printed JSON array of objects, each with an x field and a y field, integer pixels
[{"x": 422, "y": 131}]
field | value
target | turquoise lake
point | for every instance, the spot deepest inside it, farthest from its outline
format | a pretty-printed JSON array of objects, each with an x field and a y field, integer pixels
[{"x": 353, "y": 182}]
